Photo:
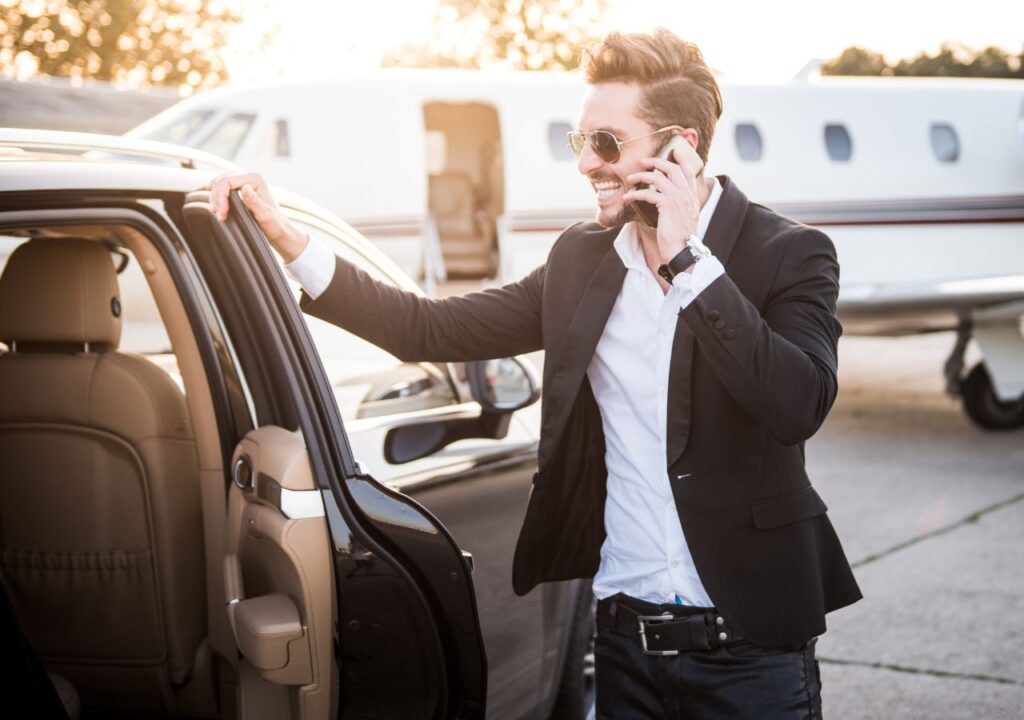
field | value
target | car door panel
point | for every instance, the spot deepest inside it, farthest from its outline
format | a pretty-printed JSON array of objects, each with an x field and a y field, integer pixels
[{"x": 278, "y": 556}]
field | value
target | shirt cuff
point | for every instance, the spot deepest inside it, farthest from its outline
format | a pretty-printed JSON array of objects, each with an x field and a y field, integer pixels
[
  {"x": 313, "y": 269},
  {"x": 705, "y": 272}
]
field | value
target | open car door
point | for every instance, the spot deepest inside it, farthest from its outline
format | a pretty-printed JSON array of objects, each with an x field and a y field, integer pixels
[{"x": 345, "y": 598}]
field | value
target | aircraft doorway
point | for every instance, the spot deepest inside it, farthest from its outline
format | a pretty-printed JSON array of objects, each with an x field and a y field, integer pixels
[{"x": 466, "y": 184}]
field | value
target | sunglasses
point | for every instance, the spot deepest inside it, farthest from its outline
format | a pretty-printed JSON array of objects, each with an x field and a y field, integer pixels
[{"x": 605, "y": 145}]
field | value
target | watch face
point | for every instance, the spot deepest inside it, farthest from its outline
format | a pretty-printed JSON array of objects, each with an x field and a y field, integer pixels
[{"x": 699, "y": 247}]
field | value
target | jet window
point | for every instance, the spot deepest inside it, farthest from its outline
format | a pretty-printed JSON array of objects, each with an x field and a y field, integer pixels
[
  {"x": 182, "y": 129},
  {"x": 838, "y": 143},
  {"x": 226, "y": 138},
  {"x": 282, "y": 146},
  {"x": 945, "y": 143},
  {"x": 748, "y": 142},
  {"x": 1020, "y": 127},
  {"x": 558, "y": 142}
]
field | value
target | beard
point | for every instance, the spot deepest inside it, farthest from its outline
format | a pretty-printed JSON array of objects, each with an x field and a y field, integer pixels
[
  {"x": 624, "y": 215},
  {"x": 607, "y": 217}
]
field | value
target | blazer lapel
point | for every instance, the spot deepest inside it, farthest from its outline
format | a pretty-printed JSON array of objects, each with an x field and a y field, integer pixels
[
  {"x": 720, "y": 238},
  {"x": 570, "y": 362}
]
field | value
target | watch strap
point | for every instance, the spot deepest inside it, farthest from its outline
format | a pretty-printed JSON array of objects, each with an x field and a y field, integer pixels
[{"x": 678, "y": 264}]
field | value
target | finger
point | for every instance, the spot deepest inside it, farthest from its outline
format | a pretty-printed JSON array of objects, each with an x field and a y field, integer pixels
[
  {"x": 223, "y": 185},
  {"x": 652, "y": 196},
  {"x": 679, "y": 172},
  {"x": 685, "y": 169},
  {"x": 670, "y": 168},
  {"x": 260, "y": 209},
  {"x": 656, "y": 179}
]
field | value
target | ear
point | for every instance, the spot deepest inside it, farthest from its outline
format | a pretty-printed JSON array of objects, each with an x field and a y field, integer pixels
[{"x": 691, "y": 136}]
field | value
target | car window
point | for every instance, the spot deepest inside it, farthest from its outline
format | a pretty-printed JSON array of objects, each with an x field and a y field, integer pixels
[{"x": 367, "y": 380}]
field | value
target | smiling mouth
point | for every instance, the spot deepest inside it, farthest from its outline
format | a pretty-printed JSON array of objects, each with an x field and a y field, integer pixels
[{"x": 606, "y": 188}]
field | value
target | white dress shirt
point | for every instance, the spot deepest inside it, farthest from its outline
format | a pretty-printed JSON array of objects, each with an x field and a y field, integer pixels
[
  {"x": 645, "y": 554},
  {"x": 313, "y": 269}
]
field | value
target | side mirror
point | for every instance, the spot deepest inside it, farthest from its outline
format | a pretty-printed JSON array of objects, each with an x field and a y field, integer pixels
[
  {"x": 500, "y": 387},
  {"x": 504, "y": 385}
]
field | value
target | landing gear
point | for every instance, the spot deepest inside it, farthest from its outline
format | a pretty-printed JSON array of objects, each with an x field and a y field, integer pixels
[
  {"x": 976, "y": 390},
  {"x": 984, "y": 408}
]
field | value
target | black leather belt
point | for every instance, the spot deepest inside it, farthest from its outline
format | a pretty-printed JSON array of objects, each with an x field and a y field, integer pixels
[{"x": 665, "y": 629}]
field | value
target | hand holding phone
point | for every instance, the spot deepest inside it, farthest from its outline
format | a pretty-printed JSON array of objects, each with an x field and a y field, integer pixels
[{"x": 648, "y": 212}]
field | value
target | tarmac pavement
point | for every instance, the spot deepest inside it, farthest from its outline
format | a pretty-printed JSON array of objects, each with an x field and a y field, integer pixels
[{"x": 930, "y": 510}]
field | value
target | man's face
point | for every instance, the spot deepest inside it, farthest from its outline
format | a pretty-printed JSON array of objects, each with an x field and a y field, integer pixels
[{"x": 612, "y": 106}]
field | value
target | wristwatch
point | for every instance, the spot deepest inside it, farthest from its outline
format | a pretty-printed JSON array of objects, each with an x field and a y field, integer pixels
[{"x": 694, "y": 251}]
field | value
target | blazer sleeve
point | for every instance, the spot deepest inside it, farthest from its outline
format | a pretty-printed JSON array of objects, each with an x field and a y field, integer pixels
[
  {"x": 780, "y": 364},
  {"x": 493, "y": 323}
]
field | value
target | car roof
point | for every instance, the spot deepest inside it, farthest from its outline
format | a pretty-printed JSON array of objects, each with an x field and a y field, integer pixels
[
  {"x": 41, "y": 160},
  {"x": 38, "y": 160}
]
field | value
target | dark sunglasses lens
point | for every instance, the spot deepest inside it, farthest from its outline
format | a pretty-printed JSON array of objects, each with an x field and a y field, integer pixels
[{"x": 605, "y": 145}]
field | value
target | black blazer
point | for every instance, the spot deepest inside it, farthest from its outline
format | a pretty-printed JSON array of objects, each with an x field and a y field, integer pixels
[{"x": 752, "y": 376}]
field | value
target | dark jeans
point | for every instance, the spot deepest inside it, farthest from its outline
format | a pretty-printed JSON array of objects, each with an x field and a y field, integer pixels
[{"x": 736, "y": 680}]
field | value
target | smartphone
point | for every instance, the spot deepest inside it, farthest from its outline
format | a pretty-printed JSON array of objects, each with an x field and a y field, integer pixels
[{"x": 648, "y": 212}]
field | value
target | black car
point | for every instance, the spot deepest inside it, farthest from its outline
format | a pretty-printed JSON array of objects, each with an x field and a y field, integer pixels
[{"x": 213, "y": 506}]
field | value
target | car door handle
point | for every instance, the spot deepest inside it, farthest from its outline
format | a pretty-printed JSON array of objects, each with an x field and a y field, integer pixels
[{"x": 470, "y": 563}]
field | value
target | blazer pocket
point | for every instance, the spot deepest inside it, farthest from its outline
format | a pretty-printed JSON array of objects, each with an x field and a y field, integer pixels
[{"x": 779, "y": 511}]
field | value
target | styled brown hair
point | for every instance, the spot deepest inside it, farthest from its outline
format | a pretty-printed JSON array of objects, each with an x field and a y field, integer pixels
[{"x": 677, "y": 87}]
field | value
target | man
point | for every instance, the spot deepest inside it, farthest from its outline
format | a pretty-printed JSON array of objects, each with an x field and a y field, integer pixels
[{"x": 685, "y": 366}]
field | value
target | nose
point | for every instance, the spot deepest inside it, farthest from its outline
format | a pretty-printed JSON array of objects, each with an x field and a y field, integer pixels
[{"x": 588, "y": 161}]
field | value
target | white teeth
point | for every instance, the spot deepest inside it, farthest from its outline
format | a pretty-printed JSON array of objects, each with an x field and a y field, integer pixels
[{"x": 605, "y": 187}]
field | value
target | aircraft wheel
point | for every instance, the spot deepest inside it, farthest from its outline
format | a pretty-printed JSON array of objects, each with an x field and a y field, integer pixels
[{"x": 984, "y": 408}]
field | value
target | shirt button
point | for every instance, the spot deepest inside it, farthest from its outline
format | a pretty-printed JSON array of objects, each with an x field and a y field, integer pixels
[{"x": 674, "y": 563}]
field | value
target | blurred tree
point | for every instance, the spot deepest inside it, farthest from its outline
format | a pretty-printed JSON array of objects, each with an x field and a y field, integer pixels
[
  {"x": 133, "y": 43},
  {"x": 514, "y": 34},
  {"x": 856, "y": 61},
  {"x": 992, "y": 62},
  {"x": 952, "y": 60}
]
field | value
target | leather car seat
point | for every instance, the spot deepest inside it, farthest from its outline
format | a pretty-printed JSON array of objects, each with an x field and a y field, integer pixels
[{"x": 100, "y": 518}]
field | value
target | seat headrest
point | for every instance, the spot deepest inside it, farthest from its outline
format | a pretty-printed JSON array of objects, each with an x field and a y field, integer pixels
[{"x": 60, "y": 290}]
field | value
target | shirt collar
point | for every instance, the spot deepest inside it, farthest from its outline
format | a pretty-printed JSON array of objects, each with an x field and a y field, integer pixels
[{"x": 627, "y": 243}]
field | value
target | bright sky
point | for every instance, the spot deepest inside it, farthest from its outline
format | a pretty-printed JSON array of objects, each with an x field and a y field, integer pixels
[{"x": 757, "y": 41}]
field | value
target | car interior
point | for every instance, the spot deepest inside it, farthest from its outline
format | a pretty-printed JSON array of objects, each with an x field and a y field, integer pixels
[{"x": 146, "y": 585}]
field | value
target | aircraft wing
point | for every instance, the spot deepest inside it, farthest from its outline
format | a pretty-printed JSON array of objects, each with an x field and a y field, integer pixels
[{"x": 891, "y": 309}]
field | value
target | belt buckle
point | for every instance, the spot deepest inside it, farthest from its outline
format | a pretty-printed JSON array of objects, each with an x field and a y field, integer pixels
[{"x": 654, "y": 621}]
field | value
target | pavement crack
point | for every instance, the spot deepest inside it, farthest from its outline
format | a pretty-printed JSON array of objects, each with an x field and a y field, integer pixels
[
  {"x": 972, "y": 518},
  {"x": 922, "y": 671}
]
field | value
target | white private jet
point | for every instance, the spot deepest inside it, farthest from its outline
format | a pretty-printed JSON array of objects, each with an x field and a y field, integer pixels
[{"x": 919, "y": 182}]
